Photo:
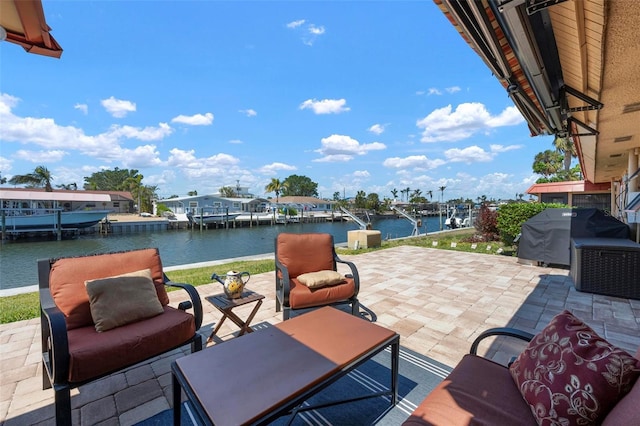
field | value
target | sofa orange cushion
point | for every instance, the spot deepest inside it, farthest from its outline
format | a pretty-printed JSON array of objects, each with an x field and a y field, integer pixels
[
  {"x": 67, "y": 277},
  {"x": 93, "y": 354},
  {"x": 477, "y": 392},
  {"x": 568, "y": 374}
]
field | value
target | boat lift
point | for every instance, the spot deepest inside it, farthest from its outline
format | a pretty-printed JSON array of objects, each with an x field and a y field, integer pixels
[
  {"x": 361, "y": 223},
  {"x": 416, "y": 222}
]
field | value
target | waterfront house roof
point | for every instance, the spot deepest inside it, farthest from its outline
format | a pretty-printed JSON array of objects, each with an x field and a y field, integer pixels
[
  {"x": 570, "y": 67},
  {"x": 39, "y": 194},
  {"x": 302, "y": 200},
  {"x": 578, "y": 186},
  {"x": 25, "y": 25}
]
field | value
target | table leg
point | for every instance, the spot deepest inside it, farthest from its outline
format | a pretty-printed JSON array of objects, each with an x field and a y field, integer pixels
[
  {"x": 395, "y": 356},
  {"x": 246, "y": 326},
  {"x": 218, "y": 325},
  {"x": 177, "y": 398}
]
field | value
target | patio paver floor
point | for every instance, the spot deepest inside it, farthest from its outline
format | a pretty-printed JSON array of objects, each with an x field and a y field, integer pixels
[{"x": 438, "y": 301}]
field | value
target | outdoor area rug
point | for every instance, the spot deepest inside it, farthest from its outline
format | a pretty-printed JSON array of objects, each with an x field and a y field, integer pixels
[{"x": 418, "y": 375}]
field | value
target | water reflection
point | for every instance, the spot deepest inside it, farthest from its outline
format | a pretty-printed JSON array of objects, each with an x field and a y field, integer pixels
[{"x": 179, "y": 247}]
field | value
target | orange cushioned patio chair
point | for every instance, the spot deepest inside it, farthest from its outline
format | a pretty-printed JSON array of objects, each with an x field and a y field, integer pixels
[
  {"x": 306, "y": 274},
  {"x": 102, "y": 313}
]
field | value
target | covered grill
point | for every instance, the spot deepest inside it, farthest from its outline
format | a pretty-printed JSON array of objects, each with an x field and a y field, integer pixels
[{"x": 546, "y": 237}]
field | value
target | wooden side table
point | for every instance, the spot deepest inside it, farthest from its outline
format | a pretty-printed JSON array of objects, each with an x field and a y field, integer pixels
[{"x": 225, "y": 306}]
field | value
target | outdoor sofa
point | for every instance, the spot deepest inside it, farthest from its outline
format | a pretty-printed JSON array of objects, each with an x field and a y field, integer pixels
[
  {"x": 567, "y": 372},
  {"x": 102, "y": 313}
]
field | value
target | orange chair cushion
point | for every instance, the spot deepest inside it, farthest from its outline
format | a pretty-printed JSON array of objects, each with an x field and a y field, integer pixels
[
  {"x": 302, "y": 253},
  {"x": 302, "y": 296},
  {"x": 92, "y": 354},
  {"x": 67, "y": 277}
]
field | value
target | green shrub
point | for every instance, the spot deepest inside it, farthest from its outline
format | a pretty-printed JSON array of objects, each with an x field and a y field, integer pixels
[
  {"x": 161, "y": 208},
  {"x": 512, "y": 216}
]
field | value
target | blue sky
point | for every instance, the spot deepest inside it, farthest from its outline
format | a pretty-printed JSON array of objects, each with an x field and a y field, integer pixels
[{"x": 197, "y": 95}]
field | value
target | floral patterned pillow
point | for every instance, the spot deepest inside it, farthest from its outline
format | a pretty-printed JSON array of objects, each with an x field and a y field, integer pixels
[{"x": 570, "y": 375}]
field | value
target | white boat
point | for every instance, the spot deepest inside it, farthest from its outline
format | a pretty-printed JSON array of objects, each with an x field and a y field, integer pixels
[
  {"x": 208, "y": 218},
  {"x": 48, "y": 219}
]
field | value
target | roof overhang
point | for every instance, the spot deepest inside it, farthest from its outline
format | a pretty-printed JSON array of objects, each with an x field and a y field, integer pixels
[
  {"x": 569, "y": 66},
  {"x": 573, "y": 187},
  {"x": 28, "y": 195},
  {"x": 25, "y": 24}
]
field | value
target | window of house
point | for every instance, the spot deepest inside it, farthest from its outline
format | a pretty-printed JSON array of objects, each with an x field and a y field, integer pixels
[
  {"x": 116, "y": 204},
  {"x": 598, "y": 201},
  {"x": 555, "y": 198}
]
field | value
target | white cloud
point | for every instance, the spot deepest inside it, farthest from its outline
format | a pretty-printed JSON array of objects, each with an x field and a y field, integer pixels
[
  {"x": 295, "y": 24},
  {"x": 236, "y": 141},
  {"x": 194, "y": 120},
  {"x": 377, "y": 129},
  {"x": 309, "y": 33},
  {"x": 316, "y": 30},
  {"x": 82, "y": 107},
  {"x": 501, "y": 148},
  {"x": 420, "y": 162},
  {"x": 361, "y": 174},
  {"x": 340, "y": 148},
  {"x": 452, "y": 89},
  {"x": 274, "y": 168},
  {"x": 118, "y": 108},
  {"x": 52, "y": 156},
  {"x": 471, "y": 154},
  {"x": 249, "y": 112},
  {"x": 444, "y": 124},
  {"x": 148, "y": 133},
  {"x": 141, "y": 156},
  {"x": 5, "y": 166},
  {"x": 433, "y": 91},
  {"x": 7, "y": 103},
  {"x": 325, "y": 106}
]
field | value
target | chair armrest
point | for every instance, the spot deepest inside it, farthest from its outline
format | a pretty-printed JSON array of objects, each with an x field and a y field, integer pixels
[
  {"x": 55, "y": 342},
  {"x": 500, "y": 331},
  {"x": 354, "y": 272},
  {"x": 193, "y": 295},
  {"x": 283, "y": 283}
]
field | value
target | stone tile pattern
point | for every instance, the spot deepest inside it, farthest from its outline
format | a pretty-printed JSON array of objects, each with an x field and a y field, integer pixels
[{"x": 439, "y": 301}]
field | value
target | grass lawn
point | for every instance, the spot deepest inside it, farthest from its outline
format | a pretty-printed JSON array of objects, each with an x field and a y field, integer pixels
[{"x": 27, "y": 306}]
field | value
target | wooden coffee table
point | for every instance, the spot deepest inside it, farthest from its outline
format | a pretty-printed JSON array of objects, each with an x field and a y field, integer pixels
[{"x": 271, "y": 372}]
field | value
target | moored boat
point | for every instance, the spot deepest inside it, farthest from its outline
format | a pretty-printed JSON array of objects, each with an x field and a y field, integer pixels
[{"x": 46, "y": 219}]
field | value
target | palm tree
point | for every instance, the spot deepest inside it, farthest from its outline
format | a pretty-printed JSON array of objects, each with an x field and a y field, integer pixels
[
  {"x": 40, "y": 177},
  {"x": 416, "y": 194},
  {"x": 276, "y": 186},
  {"x": 547, "y": 163},
  {"x": 442, "y": 188},
  {"x": 430, "y": 195},
  {"x": 407, "y": 190},
  {"x": 566, "y": 147},
  {"x": 394, "y": 192}
]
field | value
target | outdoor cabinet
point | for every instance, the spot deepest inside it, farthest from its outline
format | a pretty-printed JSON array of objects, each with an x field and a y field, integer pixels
[{"x": 609, "y": 266}]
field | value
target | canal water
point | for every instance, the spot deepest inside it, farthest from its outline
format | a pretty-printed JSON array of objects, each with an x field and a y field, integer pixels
[{"x": 180, "y": 247}]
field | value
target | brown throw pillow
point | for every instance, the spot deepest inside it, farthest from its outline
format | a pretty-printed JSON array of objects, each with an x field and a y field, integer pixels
[
  {"x": 320, "y": 278},
  {"x": 122, "y": 299},
  {"x": 570, "y": 375}
]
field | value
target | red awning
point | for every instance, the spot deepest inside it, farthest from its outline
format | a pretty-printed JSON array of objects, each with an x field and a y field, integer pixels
[
  {"x": 24, "y": 22},
  {"x": 576, "y": 186}
]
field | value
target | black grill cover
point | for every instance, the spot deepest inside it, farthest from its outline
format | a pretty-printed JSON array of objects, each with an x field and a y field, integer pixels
[{"x": 546, "y": 237}]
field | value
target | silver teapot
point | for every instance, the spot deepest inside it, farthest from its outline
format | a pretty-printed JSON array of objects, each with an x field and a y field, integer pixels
[{"x": 233, "y": 283}]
